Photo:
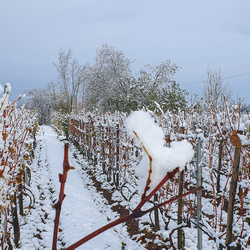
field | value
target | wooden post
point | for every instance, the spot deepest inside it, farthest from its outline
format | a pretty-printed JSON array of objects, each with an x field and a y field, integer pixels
[
  {"x": 219, "y": 166},
  {"x": 199, "y": 193},
  {"x": 16, "y": 226},
  {"x": 156, "y": 213},
  {"x": 180, "y": 231},
  {"x": 232, "y": 192},
  {"x": 117, "y": 170},
  {"x": 20, "y": 199}
]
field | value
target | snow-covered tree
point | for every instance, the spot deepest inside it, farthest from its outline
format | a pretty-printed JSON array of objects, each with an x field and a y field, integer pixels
[
  {"x": 42, "y": 101},
  {"x": 108, "y": 80},
  {"x": 112, "y": 86},
  {"x": 156, "y": 84}
]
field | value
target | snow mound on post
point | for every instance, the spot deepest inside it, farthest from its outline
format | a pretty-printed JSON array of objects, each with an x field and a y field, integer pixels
[
  {"x": 1, "y": 89},
  {"x": 8, "y": 87},
  {"x": 164, "y": 159}
]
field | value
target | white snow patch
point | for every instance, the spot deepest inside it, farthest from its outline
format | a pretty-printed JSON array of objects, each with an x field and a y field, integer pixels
[{"x": 164, "y": 159}]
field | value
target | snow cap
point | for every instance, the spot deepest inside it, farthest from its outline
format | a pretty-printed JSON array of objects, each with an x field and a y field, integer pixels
[
  {"x": 8, "y": 87},
  {"x": 151, "y": 136}
]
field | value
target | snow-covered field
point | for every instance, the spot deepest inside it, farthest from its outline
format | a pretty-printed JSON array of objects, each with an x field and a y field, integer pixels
[{"x": 83, "y": 210}]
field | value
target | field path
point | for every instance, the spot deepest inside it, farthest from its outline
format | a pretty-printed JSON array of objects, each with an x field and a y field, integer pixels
[{"x": 83, "y": 209}]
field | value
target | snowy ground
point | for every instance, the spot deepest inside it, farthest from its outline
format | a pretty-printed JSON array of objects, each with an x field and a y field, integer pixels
[{"x": 83, "y": 209}]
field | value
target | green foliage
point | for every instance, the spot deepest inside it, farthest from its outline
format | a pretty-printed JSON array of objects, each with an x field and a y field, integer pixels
[
  {"x": 65, "y": 127},
  {"x": 170, "y": 97},
  {"x": 173, "y": 98}
]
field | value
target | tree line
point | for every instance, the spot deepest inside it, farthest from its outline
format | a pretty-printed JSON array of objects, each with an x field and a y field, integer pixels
[
  {"x": 110, "y": 84},
  {"x": 107, "y": 85}
]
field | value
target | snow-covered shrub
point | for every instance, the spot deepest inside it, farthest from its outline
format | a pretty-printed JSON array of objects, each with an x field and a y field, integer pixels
[
  {"x": 102, "y": 137},
  {"x": 17, "y": 129}
]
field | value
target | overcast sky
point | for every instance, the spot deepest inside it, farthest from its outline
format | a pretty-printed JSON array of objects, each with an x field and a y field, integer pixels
[{"x": 192, "y": 34}]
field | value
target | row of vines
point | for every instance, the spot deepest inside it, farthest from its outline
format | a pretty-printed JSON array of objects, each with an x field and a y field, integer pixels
[
  {"x": 17, "y": 138},
  {"x": 224, "y": 136}
]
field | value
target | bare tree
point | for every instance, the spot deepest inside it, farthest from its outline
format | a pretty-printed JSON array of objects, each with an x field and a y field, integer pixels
[
  {"x": 42, "y": 101},
  {"x": 214, "y": 89},
  {"x": 70, "y": 78}
]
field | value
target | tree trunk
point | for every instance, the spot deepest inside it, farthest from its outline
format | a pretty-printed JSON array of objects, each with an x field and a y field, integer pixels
[{"x": 232, "y": 192}]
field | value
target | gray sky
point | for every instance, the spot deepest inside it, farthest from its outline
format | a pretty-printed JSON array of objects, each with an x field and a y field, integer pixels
[{"x": 192, "y": 34}]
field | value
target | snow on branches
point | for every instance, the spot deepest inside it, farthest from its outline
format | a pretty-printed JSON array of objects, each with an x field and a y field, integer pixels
[
  {"x": 108, "y": 141},
  {"x": 17, "y": 128}
]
